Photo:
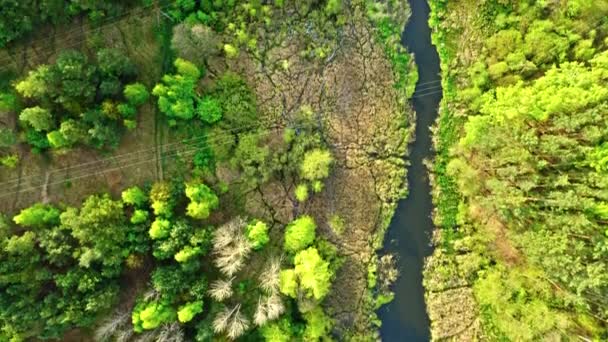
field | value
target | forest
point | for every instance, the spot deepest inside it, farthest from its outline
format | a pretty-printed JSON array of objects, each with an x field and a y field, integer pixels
[
  {"x": 520, "y": 177},
  {"x": 199, "y": 170}
]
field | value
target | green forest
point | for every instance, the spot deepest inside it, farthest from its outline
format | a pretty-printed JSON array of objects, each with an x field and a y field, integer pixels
[
  {"x": 520, "y": 174},
  {"x": 219, "y": 170},
  {"x": 188, "y": 170}
]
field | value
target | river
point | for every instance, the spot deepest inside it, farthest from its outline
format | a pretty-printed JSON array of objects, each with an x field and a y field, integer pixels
[{"x": 409, "y": 234}]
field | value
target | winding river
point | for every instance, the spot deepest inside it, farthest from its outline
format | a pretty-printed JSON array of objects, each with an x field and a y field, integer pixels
[{"x": 409, "y": 234}]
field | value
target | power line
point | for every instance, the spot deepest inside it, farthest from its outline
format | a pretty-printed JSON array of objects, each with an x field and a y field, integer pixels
[
  {"x": 114, "y": 157},
  {"x": 105, "y": 23},
  {"x": 147, "y": 160}
]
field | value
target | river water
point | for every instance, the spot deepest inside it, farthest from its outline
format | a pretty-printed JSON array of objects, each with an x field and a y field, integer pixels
[{"x": 409, "y": 234}]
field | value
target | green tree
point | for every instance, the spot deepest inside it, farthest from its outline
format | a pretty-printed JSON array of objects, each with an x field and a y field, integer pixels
[
  {"x": 136, "y": 94},
  {"x": 38, "y": 118},
  {"x": 316, "y": 165},
  {"x": 202, "y": 200},
  {"x": 176, "y": 95},
  {"x": 100, "y": 228},
  {"x": 209, "y": 110},
  {"x": 187, "y": 312},
  {"x": 134, "y": 196},
  {"x": 311, "y": 276},
  {"x": 38, "y": 215},
  {"x": 300, "y": 234},
  {"x": 147, "y": 316},
  {"x": 257, "y": 233},
  {"x": 301, "y": 192}
]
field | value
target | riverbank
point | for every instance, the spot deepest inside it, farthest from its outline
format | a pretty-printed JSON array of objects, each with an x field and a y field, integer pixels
[{"x": 495, "y": 274}]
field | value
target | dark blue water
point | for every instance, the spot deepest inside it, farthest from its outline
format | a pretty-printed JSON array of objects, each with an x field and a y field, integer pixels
[{"x": 409, "y": 234}]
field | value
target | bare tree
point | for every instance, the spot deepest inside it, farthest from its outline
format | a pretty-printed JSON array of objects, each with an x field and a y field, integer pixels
[
  {"x": 221, "y": 289},
  {"x": 274, "y": 306},
  {"x": 269, "y": 278},
  {"x": 268, "y": 309},
  {"x": 231, "y": 321},
  {"x": 231, "y": 247},
  {"x": 171, "y": 333},
  {"x": 114, "y": 325}
]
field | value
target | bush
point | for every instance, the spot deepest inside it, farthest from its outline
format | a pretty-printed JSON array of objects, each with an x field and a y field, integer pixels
[
  {"x": 38, "y": 215},
  {"x": 257, "y": 233},
  {"x": 300, "y": 234},
  {"x": 136, "y": 94}
]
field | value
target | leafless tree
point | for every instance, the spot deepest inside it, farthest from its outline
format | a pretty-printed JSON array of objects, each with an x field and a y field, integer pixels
[
  {"x": 221, "y": 289},
  {"x": 231, "y": 247},
  {"x": 114, "y": 325},
  {"x": 171, "y": 333},
  {"x": 231, "y": 321},
  {"x": 269, "y": 278}
]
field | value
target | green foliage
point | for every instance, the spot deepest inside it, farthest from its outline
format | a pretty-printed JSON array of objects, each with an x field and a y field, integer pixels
[
  {"x": 278, "y": 331},
  {"x": 38, "y": 215},
  {"x": 22, "y": 17},
  {"x": 202, "y": 200},
  {"x": 81, "y": 96},
  {"x": 257, "y": 233},
  {"x": 318, "y": 324},
  {"x": 139, "y": 216},
  {"x": 161, "y": 199},
  {"x": 252, "y": 159},
  {"x": 177, "y": 93},
  {"x": 147, "y": 316},
  {"x": 160, "y": 228},
  {"x": 300, "y": 234},
  {"x": 209, "y": 110},
  {"x": 301, "y": 192},
  {"x": 311, "y": 275},
  {"x": 528, "y": 166},
  {"x": 136, "y": 94},
  {"x": 134, "y": 196},
  {"x": 187, "y": 312},
  {"x": 38, "y": 118},
  {"x": 316, "y": 165}
]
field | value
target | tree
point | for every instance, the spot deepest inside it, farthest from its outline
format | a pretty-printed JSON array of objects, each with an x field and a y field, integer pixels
[
  {"x": 38, "y": 118},
  {"x": 176, "y": 94},
  {"x": 114, "y": 64},
  {"x": 257, "y": 233},
  {"x": 7, "y": 137},
  {"x": 209, "y": 110},
  {"x": 318, "y": 324},
  {"x": 100, "y": 228},
  {"x": 136, "y": 94},
  {"x": 221, "y": 289},
  {"x": 34, "y": 86},
  {"x": 316, "y": 165},
  {"x": 160, "y": 229},
  {"x": 301, "y": 192},
  {"x": 311, "y": 275},
  {"x": 202, "y": 200},
  {"x": 231, "y": 321},
  {"x": 187, "y": 311},
  {"x": 280, "y": 331},
  {"x": 134, "y": 196},
  {"x": 37, "y": 216},
  {"x": 194, "y": 42},
  {"x": 300, "y": 234},
  {"x": 151, "y": 315},
  {"x": 161, "y": 199}
]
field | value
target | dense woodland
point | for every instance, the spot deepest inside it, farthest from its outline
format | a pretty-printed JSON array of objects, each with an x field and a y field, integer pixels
[
  {"x": 520, "y": 177},
  {"x": 183, "y": 258}
]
